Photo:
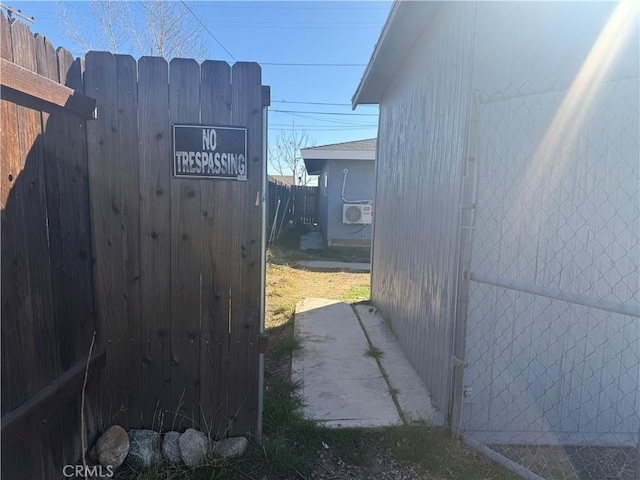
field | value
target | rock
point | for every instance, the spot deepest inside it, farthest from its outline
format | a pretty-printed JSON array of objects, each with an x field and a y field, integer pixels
[
  {"x": 193, "y": 447},
  {"x": 230, "y": 447},
  {"x": 171, "y": 447},
  {"x": 112, "y": 447},
  {"x": 144, "y": 448}
]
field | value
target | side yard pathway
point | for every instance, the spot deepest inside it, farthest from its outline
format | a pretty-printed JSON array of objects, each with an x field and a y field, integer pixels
[{"x": 347, "y": 383}]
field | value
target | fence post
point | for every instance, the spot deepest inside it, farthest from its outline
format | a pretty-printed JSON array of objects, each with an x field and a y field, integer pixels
[{"x": 465, "y": 226}]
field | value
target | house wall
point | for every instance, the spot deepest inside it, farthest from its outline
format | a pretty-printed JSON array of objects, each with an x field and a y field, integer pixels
[
  {"x": 359, "y": 186},
  {"x": 553, "y": 336},
  {"x": 421, "y": 149}
]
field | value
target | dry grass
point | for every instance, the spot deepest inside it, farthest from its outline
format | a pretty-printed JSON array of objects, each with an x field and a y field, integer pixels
[
  {"x": 436, "y": 454},
  {"x": 286, "y": 285}
]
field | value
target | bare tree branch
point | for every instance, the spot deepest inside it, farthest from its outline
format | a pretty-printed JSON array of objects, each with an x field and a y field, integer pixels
[
  {"x": 69, "y": 28},
  {"x": 285, "y": 157},
  {"x": 114, "y": 21},
  {"x": 155, "y": 28}
]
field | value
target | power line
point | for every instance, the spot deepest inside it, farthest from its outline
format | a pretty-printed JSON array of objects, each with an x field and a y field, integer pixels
[
  {"x": 208, "y": 31},
  {"x": 290, "y": 6},
  {"x": 299, "y": 27},
  {"x": 327, "y": 113},
  {"x": 315, "y": 125},
  {"x": 322, "y": 129},
  {"x": 235, "y": 22},
  {"x": 319, "y": 103},
  {"x": 282, "y": 64},
  {"x": 331, "y": 120},
  {"x": 275, "y": 64},
  {"x": 313, "y": 103}
]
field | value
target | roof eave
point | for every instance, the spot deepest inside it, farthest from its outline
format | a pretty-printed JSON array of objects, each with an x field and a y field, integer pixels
[
  {"x": 313, "y": 166},
  {"x": 404, "y": 25},
  {"x": 338, "y": 154}
]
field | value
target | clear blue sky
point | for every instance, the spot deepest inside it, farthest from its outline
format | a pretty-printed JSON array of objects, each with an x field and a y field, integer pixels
[{"x": 315, "y": 32}]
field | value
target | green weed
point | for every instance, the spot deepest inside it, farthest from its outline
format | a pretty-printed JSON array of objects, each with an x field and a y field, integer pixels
[
  {"x": 291, "y": 441},
  {"x": 373, "y": 352},
  {"x": 285, "y": 344}
]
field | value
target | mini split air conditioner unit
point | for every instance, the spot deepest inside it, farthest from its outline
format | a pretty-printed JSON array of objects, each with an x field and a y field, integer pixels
[{"x": 357, "y": 214}]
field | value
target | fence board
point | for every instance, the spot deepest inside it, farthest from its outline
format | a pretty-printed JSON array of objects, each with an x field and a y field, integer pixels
[
  {"x": 31, "y": 291},
  {"x": 10, "y": 160},
  {"x": 184, "y": 107},
  {"x": 155, "y": 238},
  {"x": 302, "y": 206},
  {"x": 69, "y": 226},
  {"x": 106, "y": 216},
  {"x": 128, "y": 168},
  {"x": 13, "y": 389},
  {"x": 246, "y": 107},
  {"x": 70, "y": 420},
  {"x": 16, "y": 281},
  {"x": 54, "y": 441},
  {"x": 47, "y": 66},
  {"x": 5, "y": 37},
  {"x": 29, "y": 189},
  {"x": 216, "y": 255},
  {"x": 46, "y": 59}
]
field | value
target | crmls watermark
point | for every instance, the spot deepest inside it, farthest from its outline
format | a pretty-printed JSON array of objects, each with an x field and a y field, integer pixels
[{"x": 94, "y": 471}]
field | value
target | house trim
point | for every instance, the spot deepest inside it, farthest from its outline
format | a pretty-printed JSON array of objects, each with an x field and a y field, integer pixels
[{"x": 401, "y": 31}]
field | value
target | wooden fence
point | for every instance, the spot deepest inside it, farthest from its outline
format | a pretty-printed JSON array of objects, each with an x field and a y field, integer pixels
[
  {"x": 177, "y": 260},
  {"x": 47, "y": 289},
  {"x": 298, "y": 204},
  {"x": 97, "y": 235}
]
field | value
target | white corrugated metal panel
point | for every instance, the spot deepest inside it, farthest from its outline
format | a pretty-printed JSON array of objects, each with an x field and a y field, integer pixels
[
  {"x": 532, "y": 47},
  {"x": 553, "y": 330},
  {"x": 421, "y": 148}
]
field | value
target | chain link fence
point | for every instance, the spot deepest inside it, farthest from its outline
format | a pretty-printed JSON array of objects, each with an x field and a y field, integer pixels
[{"x": 553, "y": 322}]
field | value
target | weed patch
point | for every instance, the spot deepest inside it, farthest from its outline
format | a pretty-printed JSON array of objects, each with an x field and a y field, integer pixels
[
  {"x": 292, "y": 442},
  {"x": 357, "y": 293},
  {"x": 285, "y": 345},
  {"x": 373, "y": 352}
]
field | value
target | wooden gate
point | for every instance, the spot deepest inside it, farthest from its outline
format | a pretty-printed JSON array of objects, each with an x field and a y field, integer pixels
[{"x": 177, "y": 260}]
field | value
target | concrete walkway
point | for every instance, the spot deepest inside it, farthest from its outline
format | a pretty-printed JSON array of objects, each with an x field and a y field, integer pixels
[
  {"x": 312, "y": 241},
  {"x": 324, "y": 265},
  {"x": 343, "y": 387}
]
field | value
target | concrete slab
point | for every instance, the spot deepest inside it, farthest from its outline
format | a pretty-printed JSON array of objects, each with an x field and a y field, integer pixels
[
  {"x": 340, "y": 385},
  {"x": 412, "y": 395},
  {"x": 312, "y": 241},
  {"x": 325, "y": 265},
  {"x": 359, "y": 402}
]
